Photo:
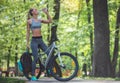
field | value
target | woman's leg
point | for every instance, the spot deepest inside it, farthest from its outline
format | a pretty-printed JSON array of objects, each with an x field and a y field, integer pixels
[
  {"x": 44, "y": 47},
  {"x": 34, "y": 47}
]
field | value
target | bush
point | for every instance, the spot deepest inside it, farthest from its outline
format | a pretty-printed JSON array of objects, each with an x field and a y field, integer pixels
[
  {"x": 117, "y": 79},
  {"x": 10, "y": 80}
]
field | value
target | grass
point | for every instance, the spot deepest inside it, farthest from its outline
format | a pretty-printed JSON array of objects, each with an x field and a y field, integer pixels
[{"x": 10, "y": 80}]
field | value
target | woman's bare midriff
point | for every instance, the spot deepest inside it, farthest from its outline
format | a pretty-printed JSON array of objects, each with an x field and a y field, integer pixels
[{"x": 36, "y": 33}]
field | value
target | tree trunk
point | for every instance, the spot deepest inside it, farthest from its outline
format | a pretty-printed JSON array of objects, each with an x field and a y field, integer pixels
[
  {"x": 78, "y": 21},
  {"x": 16, "y": 65},
  {"x": 24, "y": 1},
  {"x": 16, "y": 58},
  {"x": 8, "y": 61},
  {"x": 119, "y": 69},
  {"x": 54, "y": 30},
  {"x": 101, "y": 54},
  {"x": 91, "y": 29},
  {"x": 55, "y": 19},
  {"x": 48, "y": 36},
  {"x": 116, "y": 43}
]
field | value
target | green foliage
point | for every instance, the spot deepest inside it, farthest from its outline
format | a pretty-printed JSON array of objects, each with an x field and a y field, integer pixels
[
  {"x": 10, "y": 80},
  {"x": 117, "y": 79}
]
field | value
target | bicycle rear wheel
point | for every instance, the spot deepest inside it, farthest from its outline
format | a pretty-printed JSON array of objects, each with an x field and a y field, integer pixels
[
  {"x": 38, "y": 71},
  {"x": 69, "y": 67}
]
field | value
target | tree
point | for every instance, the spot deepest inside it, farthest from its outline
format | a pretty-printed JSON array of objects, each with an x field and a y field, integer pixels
[
  {"x": 56, "y": 19},
  {"x": 91, "y": 29},
  {"x": 101, "y": 54},
  {"x": 54, "y": 29},
  {"x": 116, "y": 43}
]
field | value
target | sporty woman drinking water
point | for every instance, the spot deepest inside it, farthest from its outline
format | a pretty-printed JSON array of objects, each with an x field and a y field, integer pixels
[{"x": 34, "y": 24}]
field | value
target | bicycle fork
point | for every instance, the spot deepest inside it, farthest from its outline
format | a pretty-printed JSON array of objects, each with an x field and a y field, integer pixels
[{"x": 60, "y": 60}]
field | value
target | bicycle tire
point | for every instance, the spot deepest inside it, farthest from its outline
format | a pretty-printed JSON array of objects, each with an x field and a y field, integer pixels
[
  {"x": 62, "y": 77},
  {"x": 57, "y": 69},
  {"x": 28, "y": 74}
]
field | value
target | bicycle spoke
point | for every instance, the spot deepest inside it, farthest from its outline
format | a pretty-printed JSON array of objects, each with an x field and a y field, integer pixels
[{"x": 68, "y": 67}]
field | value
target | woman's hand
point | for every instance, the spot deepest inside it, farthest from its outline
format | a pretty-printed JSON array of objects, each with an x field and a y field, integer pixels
[
  {"x": 45, "y": 10},
  {"x": 49, "y": 19}
]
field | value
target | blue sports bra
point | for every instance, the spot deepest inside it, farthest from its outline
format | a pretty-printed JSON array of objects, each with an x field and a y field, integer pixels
[{"x": 35, "y": 25}]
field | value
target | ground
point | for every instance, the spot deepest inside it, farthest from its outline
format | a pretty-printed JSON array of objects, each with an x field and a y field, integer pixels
[{"x": 76, "y": 80}]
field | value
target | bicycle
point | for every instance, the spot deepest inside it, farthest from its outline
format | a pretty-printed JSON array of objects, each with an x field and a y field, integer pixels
[{"x": 55, "y": 64}]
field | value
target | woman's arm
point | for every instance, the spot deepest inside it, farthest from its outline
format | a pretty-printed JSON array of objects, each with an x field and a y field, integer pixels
[
  {"x": 28, "y": 33},
  {"x": 49, "y": 20}
]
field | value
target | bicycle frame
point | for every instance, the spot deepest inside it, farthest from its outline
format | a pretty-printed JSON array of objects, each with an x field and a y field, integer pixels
[{"x": 51, "y": 49}]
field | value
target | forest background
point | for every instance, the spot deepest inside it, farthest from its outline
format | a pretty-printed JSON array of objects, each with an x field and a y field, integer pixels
[{"x": 74, "y": 28}]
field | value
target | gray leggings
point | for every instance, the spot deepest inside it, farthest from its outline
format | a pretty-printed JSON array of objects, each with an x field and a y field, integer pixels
[{"x": 34, "y": 46}]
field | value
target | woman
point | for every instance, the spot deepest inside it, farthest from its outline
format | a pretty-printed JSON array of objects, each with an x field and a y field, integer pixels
[{"x": 34, "y": 24}]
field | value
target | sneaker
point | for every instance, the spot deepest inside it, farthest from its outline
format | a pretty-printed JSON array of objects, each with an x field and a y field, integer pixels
[
  {"x": 49, "y": 71},
  {"x": 34, "y": 78}
]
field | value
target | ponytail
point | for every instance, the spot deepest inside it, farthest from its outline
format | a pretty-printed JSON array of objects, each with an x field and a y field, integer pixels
[
  {"x": 30, "y": 13},
  {"x": 28, "y": 16}
]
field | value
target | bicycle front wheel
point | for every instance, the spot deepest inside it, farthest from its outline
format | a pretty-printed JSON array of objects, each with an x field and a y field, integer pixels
[{"x": 68, "y": 65}]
